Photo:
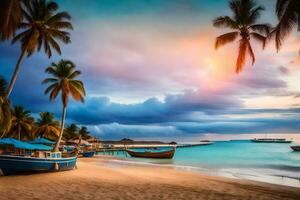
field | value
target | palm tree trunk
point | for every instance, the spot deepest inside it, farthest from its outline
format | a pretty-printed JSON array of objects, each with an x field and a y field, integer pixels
[
  {"x": 61, "y": 129},
  {"x": 19, "y": 132},
  {"x": 15, "y": 74}
]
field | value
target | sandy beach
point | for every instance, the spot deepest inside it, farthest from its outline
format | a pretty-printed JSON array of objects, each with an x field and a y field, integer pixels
[{"x": 94, "y": 179}]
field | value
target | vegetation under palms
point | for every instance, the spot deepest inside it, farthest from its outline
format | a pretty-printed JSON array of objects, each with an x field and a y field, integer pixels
[
  {"x": 21, "y": 123},
  {"x": 63, "y": 81},
  {"x": 71, "y": 132},
  {"x": 83, "y": 131},
  {"x": 42, "y": 26},
  {"x": 46, "y": 126},
  {"x": 288, "y": 13},
  {"x": 244, "y": 26},
  {"x": 5, "y": 109}
]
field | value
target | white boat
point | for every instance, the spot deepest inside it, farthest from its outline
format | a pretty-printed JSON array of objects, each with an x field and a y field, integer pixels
[{"x": 271, "y": 140}]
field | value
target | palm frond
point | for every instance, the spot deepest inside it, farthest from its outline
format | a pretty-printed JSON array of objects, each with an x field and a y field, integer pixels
[
  {"x": 10, "y": 17},
  {"x": 225, "y": 38},
  {"x": 255, "y": 14},
  {"x": 261, "y": 28},
  {"x": 251, "y": 53},
  {"x": 241, "y": 55},
  {"x": 54, "y": 92},
  {"x": 225, "y": 21},
  {"x": 260, "y": 38}
]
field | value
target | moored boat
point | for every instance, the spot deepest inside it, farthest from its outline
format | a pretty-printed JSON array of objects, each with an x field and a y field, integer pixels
[
  {"x": 88, "y": 153},
  {"x": 271, "y": 140},
  {"x": 152, "y": 154},
  {"x": 295, "y": 147}
]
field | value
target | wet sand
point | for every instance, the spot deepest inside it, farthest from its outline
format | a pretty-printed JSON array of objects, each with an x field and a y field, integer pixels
[{"x": 95, "y": 179}]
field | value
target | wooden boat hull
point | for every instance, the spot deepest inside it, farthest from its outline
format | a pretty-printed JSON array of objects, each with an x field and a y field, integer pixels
[
  {"x": 10, "y": 165},
  {"x": 271, "y": 141},
  {"x": 295, "y": 148},
  {"x": 88, "y": 154},
  {"x": 159, "y": 155}
]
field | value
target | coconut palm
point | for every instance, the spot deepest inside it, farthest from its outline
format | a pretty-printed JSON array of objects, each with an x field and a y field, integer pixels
[
  {"x": 245, "y": 27},
  {"x": 46, "y": 126},
  {"x": 5, "y": 109},
  {"x": 83, "y": 131},
  {"x": 42, "y": 26},
  {"x": 21, "y": 123},
  {"x": 71, "y": 132},
  {"x": 288, "y": 13},
  {"x": 63, "y": 81},
  {"x": 11, "y": 15}
]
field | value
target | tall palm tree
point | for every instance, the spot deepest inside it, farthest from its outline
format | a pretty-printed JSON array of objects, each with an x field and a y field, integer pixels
[
  {"x": 42, "y": 26},
  {"x": 245, "y": 27},
  {"x": 5, "y": 109},
  {"x": 46, "y": 126},
  {"x": 71, "y": 132},
  {"x": 21, "y": 123},
  {"x": 83, "y": 131},
  {"x": 11, "y": 15},
  {"x": 63, "y": 81},
  {"x": 288, "y": 13}
]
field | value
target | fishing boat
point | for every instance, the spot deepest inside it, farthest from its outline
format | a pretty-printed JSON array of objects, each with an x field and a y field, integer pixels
[
  {"x": 295, "y": 148},
  {"x": 152, "y": 154},
  {"x": 88, "y": 154},
  {"x": 17, "y": 157},
  {"x": 10, "y": 164},
  {"x": 271, "y": 140}
]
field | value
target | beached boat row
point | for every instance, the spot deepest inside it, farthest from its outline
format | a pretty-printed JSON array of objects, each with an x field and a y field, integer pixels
[{"x": 36, "y": 156}]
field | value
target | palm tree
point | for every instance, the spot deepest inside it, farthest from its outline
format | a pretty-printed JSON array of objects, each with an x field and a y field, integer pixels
[
  {"x": 83, "y": 131},
  {"x": 42, "y": 26},
  {"x": 244, "y": 26},
  {"x": 5, "y": 109},
  {"x": 21, "y": 123},
  {"x": 71, "y": 132},
  {"x": 11, "y": 15},
  {"x": 46, "y": 126},
  {"x": 288, "y": 13},
  {"x": 63, "y": 81}
]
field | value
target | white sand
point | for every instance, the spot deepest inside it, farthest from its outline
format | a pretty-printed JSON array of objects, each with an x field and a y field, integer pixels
[{"x": 95, "y": 180}]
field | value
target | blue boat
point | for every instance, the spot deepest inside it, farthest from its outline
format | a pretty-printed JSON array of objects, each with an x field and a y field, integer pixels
[
  {"x": 32, "y": 158},
  {"x": 88, "y": 153},
  {"x": 10, "y": 165}
]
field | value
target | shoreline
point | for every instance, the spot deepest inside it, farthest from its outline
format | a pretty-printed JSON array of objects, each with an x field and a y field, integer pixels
[
  {"x": 95, "y": 178},
  {"x": 253, "y": 174}
]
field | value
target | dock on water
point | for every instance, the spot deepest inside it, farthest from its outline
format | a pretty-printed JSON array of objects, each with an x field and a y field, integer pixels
[
  {"x": 194, "y": 145},
  {"x": 115, "y": 149}
]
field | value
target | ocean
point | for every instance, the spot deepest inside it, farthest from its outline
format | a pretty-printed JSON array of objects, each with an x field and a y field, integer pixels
[{"x": 267, "y": 162}]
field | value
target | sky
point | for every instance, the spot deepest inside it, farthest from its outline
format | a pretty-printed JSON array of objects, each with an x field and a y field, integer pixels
[{"x": 151, "y": 71}]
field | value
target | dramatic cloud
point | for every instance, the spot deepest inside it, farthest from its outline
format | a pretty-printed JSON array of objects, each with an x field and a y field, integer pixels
[{"x": 150, "y": 70}]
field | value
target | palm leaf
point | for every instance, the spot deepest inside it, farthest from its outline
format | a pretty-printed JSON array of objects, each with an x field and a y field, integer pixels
[
  {"x": 226, "y": 22},
  {"x": 241, "y": 55},
  {"x": 260, "y": 38},
  {"x": 225, "y": 38}
]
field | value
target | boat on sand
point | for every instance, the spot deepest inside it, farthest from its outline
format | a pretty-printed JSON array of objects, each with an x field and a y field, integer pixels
[{"x": 17, "y": 157}]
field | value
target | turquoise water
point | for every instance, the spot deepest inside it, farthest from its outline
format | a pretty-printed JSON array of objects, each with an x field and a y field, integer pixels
[{"x": 269, "y": 162}]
